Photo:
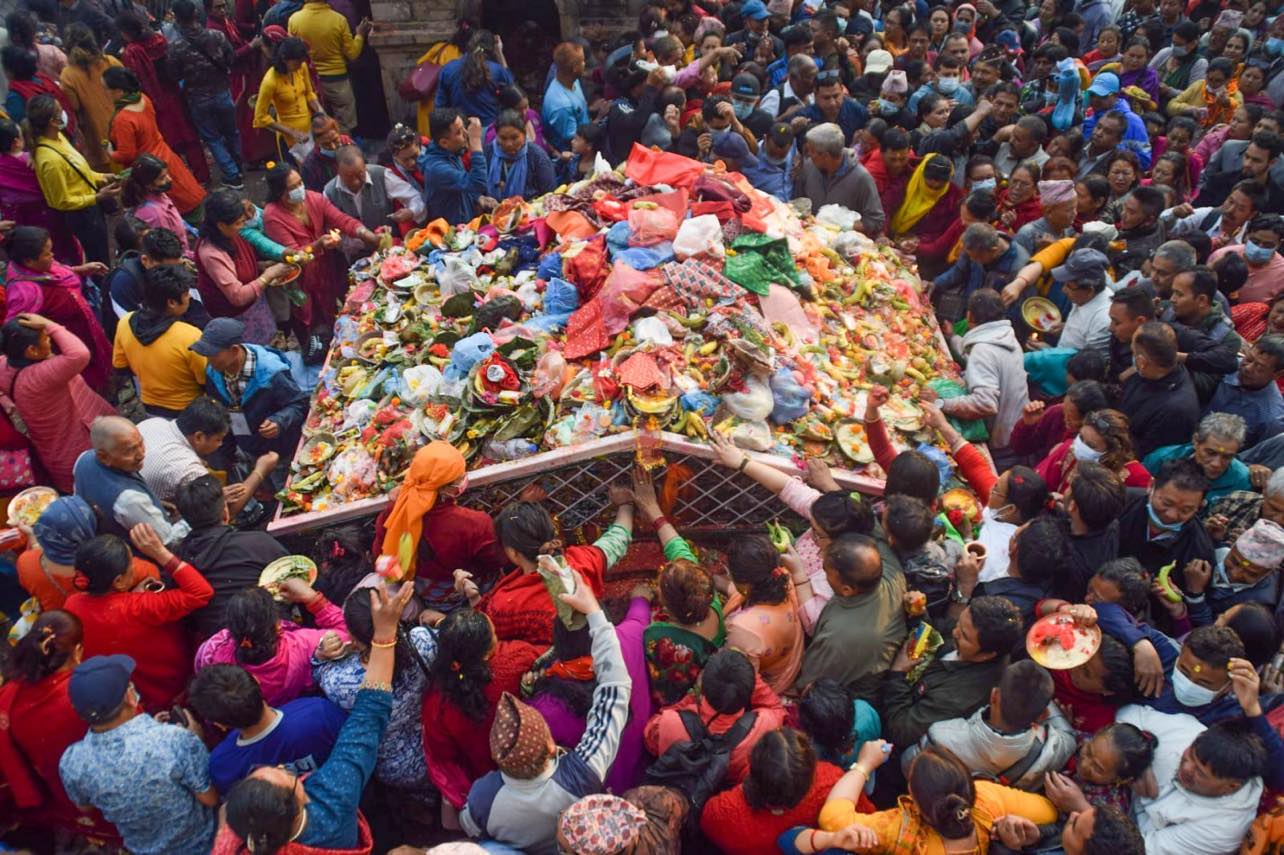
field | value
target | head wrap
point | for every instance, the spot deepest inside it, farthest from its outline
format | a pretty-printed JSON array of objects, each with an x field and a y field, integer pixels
[
  {"x": 1229, "y": 19},
  {"x": 1263, "y": 544},
  {"x": 274, "y": 34},
  {"x": 433, "y": 467},
  {"x": 519, "y": 739},
  {"x": 666, "y": 811},
  {"x": 1056, "y": 192},
  {"x": 919, "y": 199},
  {"x": 600, "y": 824},
  {"x": 895, "y": 83},
  {"x": 65, "y": 524}
]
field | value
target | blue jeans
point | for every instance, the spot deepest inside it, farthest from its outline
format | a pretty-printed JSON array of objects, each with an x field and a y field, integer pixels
[{"x": 215, "y": 120}]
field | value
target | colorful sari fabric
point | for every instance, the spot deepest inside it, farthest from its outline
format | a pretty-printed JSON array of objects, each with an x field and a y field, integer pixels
[
  {"x": 58, "y": 296},
  {"x": 675, "y": 656},
  {"x": 919, "y": 199},
  {"x": 22, "y": 200}
]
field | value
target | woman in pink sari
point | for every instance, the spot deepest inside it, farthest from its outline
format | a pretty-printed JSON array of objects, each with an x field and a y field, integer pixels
[
  {"x": 300, "y": 218},
  {"x": 22, "y": 200},
  {"x": 37, "y": 284}
]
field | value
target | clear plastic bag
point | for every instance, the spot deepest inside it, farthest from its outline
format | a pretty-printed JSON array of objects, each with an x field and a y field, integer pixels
[
  {"x": 456, "y": 277},
  {"x": 699, "y": 236},
  {"x": 651, "y": 225}
]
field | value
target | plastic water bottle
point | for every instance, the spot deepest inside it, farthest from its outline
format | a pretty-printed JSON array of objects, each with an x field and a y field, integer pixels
[{"x": 511, "y": 449}]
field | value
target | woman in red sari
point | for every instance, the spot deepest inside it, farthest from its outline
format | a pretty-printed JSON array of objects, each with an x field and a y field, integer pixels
[
  {"x": 22, "y": 200},
  {"x": 37, "y": 723},
  {"x": 135, "y": 132},
  {"x": 1019, "y": 202},
  {"x": 299, "y": 218},
  {"x": 144, "y": 50},
  {"x": 37, "y": 284}
]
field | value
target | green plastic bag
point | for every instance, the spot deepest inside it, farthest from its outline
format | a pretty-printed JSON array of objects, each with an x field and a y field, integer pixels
[
  {"x": 973, "y": 430},
  {"x": 759, "y": 261}
]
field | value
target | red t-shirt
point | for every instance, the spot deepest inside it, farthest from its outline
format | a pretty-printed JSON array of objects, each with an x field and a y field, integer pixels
[
  {"x": 519, "y": 604},
  {"x": 146, "y": 626}
]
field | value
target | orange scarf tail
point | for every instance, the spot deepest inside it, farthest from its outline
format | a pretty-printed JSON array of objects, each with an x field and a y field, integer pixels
[{"x": 434, "y": 466}]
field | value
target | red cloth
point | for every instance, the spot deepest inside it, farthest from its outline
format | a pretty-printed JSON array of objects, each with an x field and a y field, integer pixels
[
  {"x": 137, "y": 132},
  {"x": 458, "y": 747},
  {"x": 146, "y": 58},
  {"x": 247, "y": 270},
  {"x": 1027, "y": 212},
  {"x": 649, "y": 167},
  {"x": 519, "y": 605},
  {"x": 146, "y": 626},
  {"x": 325, "y": 279},
  {"x": 37, "y": 723},
  {"x": 453, "y": 538},
  {"x": 1087, "y": 712},
  {"x": 43, "y": 84},
  {"x": 1250, "y": 320},
  {"x": 891, "y": 188},
  {"x": 587, "y": 269},
  {"x": 1056, "y": 468},
  {"x": 732, "y": 826},
  {"x": 58, "y": 296},
  {"x": 1039, "y": 439}
]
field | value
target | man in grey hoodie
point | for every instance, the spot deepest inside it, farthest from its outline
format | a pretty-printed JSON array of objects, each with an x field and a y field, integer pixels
[
  {"x": 1007, "y": 738},
  {"x": 995, "y": 373},
  {"x": 832, "y": 175}
]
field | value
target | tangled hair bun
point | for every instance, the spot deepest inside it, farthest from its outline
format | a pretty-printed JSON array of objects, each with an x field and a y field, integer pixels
[{"x": 686, "y": 591}]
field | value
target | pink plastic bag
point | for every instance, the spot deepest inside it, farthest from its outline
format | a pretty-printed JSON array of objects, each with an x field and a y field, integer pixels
[
  {"x": 623, "y": 294},
  {"x": 649, "y": 226}
]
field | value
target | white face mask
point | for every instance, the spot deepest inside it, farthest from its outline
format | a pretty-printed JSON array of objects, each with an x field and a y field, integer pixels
[
  {"x": 298, "y": 194},
  {"x": 989, "y": 515},
  {"x": 1190, "y": 694},
  {"x": 62, "y": 119},
  {"x": 1083, "y": 452}
]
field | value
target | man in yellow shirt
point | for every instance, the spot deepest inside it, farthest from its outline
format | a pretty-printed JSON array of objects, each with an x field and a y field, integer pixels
[
  {"x": 332, "y": 46},
  {"x": 154, "y": 344}
]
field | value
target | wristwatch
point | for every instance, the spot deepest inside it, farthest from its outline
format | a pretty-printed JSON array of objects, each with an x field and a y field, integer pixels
[{"x": 957, "y": 596}]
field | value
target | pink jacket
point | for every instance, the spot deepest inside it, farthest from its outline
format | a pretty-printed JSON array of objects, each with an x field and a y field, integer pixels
[
  {"x": 288, "y": 674},
  {"x": 56, "y": 404}
]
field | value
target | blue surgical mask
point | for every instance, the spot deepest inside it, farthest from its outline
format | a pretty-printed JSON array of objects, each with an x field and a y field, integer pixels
[
  {"x": 1255, "y": 254},
  {"x": 328, "y": 152},
  {"x": 1083, "y": 452},
  {"x": 985, "y": 184},
  {"x": 298, "y": 194},
  {"x": 1156, "y": 522},
  {"x": 1189, "y": 693},
  {"x": 947, "y": 85},
  {"x": 1275, "y": 46},
  {"x": 1181, "y": 52},
  {"x": 742, "y": 109},
  {"x": 887, "y": 108},
  {"x": 841, "y": 23}
]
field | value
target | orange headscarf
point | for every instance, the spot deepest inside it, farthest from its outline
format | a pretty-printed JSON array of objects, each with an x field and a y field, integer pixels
[{"x": 433, "y": 467}]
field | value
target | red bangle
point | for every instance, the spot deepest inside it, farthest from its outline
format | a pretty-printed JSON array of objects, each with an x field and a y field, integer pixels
[
  {"x": 660, "y": 522},
  {"x": 811, "y": 841}
]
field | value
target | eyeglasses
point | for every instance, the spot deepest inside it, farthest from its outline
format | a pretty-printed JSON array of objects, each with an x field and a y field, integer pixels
[{"x": 829, "y": 75}]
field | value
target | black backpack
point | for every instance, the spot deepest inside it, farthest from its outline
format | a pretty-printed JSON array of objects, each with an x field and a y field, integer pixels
[{"x": 698, "y": 767}]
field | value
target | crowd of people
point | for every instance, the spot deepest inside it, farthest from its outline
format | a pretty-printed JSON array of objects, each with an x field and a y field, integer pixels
[{"x": 865, "y": 689}]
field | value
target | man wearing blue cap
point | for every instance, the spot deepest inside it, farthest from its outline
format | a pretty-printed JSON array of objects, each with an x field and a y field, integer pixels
[
  {"x": 754, "y": 15},
  {"x": 264, "y": 404},
  {"x": 1103, "y": 96},
  {"x": 151, "y": 780}
]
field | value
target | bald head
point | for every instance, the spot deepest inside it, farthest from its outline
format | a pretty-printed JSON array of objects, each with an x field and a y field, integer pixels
[
  {"x": 352, "y": 167},
  {"x": 117, "y": 443}
]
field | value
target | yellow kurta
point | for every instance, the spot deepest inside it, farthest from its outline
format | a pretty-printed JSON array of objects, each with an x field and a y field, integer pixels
[
  {"x": 289, "y": 94},
  {"x": 992, "y": 802},
  {"x": 65, "y": 175},
  {"x": 330, "y": 43}
]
